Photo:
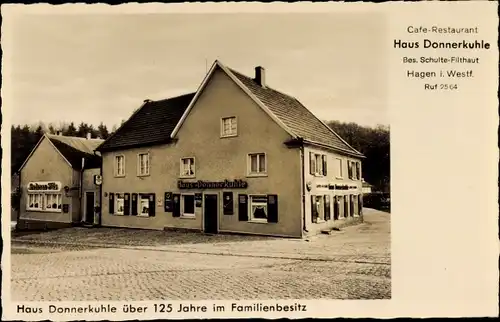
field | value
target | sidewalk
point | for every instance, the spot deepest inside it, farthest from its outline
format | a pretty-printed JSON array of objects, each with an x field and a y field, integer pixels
[{"x": 365, "y": 243}]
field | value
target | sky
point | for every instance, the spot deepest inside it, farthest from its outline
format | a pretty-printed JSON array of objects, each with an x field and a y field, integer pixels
[{"x": 101, "y": 67}]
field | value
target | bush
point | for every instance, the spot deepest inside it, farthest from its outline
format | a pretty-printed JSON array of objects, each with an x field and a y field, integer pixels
[
  {"x": 15, "y": 199},
  {"x": 377, "y": 200}
]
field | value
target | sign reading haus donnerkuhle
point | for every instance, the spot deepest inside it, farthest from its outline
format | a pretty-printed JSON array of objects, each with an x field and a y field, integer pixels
[
  {"x": 44, "y": 186},
  {"x": 226, "y": 184}
]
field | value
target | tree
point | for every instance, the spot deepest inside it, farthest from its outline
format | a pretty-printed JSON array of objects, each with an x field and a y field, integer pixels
[
  {"x": 70, "y": 130},
  {"x": 102, "y": 131},
  {"x": 374, "y": 143}
]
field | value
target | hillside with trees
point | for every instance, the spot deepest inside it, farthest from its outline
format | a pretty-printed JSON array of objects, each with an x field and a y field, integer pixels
[{"x": 374, "y": 143}]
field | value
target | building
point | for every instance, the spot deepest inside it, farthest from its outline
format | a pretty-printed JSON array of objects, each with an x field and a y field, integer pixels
[
  {"x": 367, "y": 188},
  {"x": 57, "y": 182},
  {"x": 234, "y": 156}
]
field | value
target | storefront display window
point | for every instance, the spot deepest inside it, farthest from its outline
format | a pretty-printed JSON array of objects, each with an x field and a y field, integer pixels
[{"x": 258, "y": 208}]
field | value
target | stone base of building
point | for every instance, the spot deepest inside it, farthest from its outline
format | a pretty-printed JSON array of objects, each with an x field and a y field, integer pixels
[
  {"x": 34, "y": 225},
  {"x": 332, "y": 225}
]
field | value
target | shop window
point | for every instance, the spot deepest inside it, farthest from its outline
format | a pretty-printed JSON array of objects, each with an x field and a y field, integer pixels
[
  {"x": 187, "y": 168},
  {"x": 53, "y": 202},
  {"x": 119, "y": 204},
  {"x": 342, "y": 209},
  {"x": 143, "y": 164},
  {"x": 50, "y": 202},
  {"x": 35, "y": 201},
  {"x": 143, "y": 205},
  {"x": 338, "y": 168},
  {"x": 257, "y": 164},
  {"x": 187, "y": 206},
  {"x": 258, "y": 208},
  {"x": 228, "y": 127},
  {"x": 119, "y": 166}
]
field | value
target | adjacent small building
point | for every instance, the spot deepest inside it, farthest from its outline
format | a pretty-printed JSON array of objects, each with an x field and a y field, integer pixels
[
  {"x": 234, "y": 156},
  {"x": 57, "y": 182}
]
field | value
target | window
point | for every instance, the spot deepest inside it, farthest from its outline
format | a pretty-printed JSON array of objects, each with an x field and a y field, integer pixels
[
  {"x": 119, "y": 166},
  {"x": 119, "y": 204},
  {"x": 317, "y": 164},
  {"x": 50, "y": 202},
  {"x": 228, "y": 127},
  {"x": 338, "y": 168},
  {"x": 258, "y": 208},
  {"x": 187, "y": 167},
  {"x": 143, "y": 206},
  {"x": 143, "y": 164},
  {"x": 349, "y": 170},
  {"x": 358, "y": 170},
  {"x": 53, "y": 202},
  {"x": 187, "y": 206},
  {"x": 257, "y": 164},
  {"x": 35, "y": 201}
]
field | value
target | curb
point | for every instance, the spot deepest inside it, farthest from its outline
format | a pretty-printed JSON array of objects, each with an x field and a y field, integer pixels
[{"x": 215, "y": 253}]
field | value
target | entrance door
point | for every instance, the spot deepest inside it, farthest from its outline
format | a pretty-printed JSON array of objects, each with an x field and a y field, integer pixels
[
  {"x": 210, "y": 214},
  {"x": 89, "y": 207}
]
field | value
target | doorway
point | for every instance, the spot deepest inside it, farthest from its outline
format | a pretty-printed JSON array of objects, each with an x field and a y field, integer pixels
[
  {"x": 211, "y": 214},
  {"x": 89, "y": 207}
]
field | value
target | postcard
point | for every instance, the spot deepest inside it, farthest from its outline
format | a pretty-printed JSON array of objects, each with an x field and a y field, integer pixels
[{"x": 250, "y": 160}]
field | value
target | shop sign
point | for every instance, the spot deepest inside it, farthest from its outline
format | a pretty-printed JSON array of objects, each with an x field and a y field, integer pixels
[
  {"x": 198, "y": 199},
  {"x": 44, "y": 186},
  {"x": 226, "y": 184},
  {"x": 340, "y": 187}
]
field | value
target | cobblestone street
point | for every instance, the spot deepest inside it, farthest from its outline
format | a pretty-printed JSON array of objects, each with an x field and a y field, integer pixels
[{"x": 353, "y": 263}]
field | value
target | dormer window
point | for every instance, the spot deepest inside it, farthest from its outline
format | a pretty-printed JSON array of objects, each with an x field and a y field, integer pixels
[{"x": 228, "y": 127}]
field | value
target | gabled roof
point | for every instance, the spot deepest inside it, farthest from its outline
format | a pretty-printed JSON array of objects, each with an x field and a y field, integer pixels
[
  {"x": 296, "y": 117},
  {"x": 285, "y": 110},
  {"x": 72, "y": 149},
  {"x": 151, "y": 124},
  {"x": 158, "y": 122}
]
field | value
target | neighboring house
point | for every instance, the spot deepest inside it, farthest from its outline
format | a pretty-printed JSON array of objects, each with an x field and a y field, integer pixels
[
  {"x": 234, "y": 156},
  {"x": 57, "y": 182},
  {"x": 367, "y": 188}
]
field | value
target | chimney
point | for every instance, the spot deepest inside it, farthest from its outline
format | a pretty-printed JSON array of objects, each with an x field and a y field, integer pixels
[
  {"x": 260, "y": 76},
  {"x": 89, "y": 136}
]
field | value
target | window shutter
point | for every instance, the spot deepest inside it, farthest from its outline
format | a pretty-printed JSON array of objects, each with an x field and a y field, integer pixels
[
  {"x": 242, "y": 207},
  {"x": 168, "y": 204},
  {"x": 335, "y": 208},
  {"x": 152, "y": 205},
  {"x": 312, "y": 163},
  {"x": 126, "y": 204},
  {"x": 134, "y": 204},
  {"x": 314, "y": 210},
  {"x": 177, "y": 205},
  {"x": 227, "y": 203},
  {"x": 111, "y": 203},
  {"x": 324, "y": 165},
  {"x": 272, "y": 208},
  {"x": 327, "y": 207}
]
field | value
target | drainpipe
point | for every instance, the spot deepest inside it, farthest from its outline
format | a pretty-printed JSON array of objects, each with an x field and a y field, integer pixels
[
  {"x": 96, "y": 153},
  {"x": 81, "y": 189},
  {"x": 302, "y": 183},
  {"x": 18, "y": 215}
]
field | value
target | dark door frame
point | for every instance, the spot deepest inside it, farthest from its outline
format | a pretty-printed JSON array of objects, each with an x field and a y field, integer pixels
[{"x": 212, "y": 216}]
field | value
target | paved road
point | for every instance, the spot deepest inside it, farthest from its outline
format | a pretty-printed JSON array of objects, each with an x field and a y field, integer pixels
[{"x": 351, "y": 264}]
